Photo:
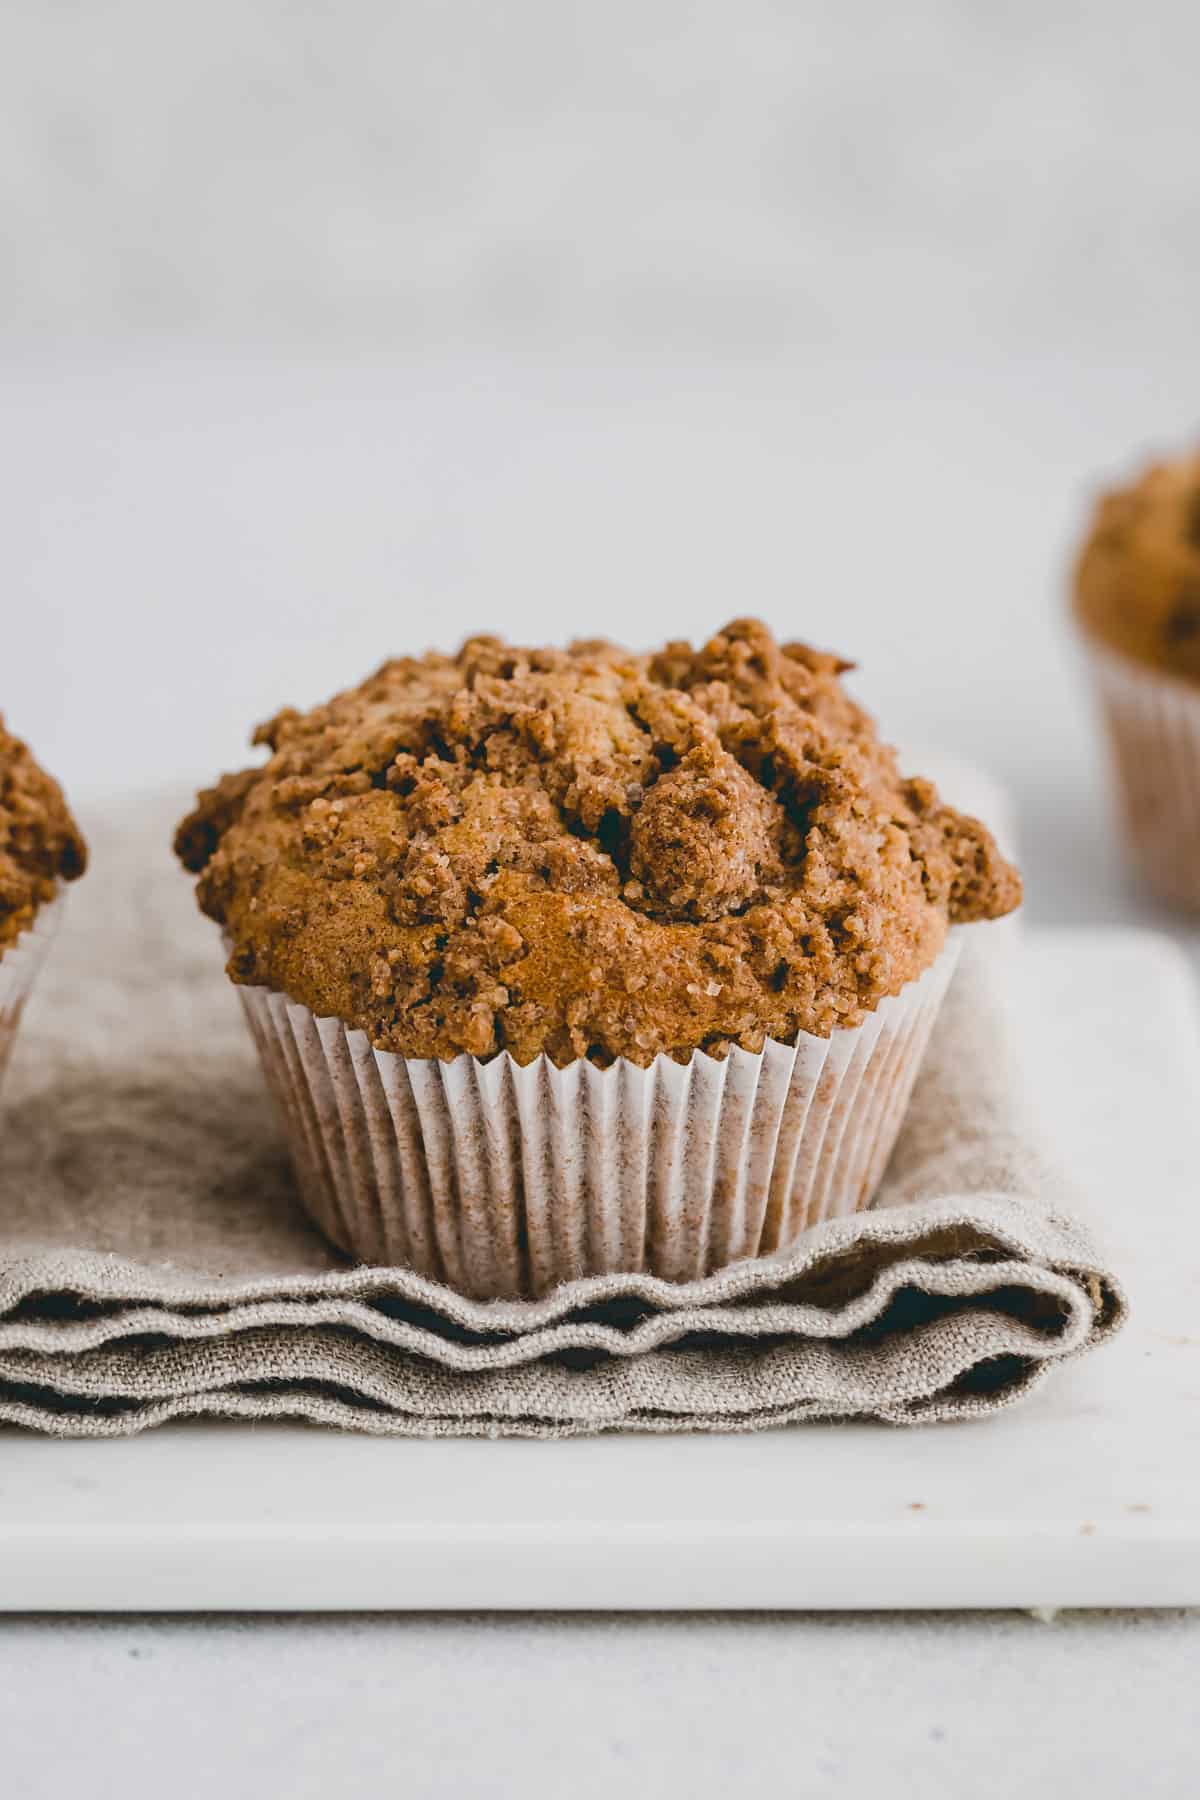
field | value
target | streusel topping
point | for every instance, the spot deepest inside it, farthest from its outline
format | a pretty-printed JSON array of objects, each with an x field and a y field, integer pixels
[
  {"x": 1137, "y": 581},
  {"x": 40, "y": 844},
  {"x": 588, "y": 852}
]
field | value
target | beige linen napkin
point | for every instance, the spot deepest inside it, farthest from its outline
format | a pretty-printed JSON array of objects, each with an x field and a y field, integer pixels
[{"x": 154, "y": 1262}]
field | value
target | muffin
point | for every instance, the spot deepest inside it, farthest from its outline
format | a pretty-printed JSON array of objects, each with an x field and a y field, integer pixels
[
  {"x": 40, "y": 848},
  {"x": 562, "y": 962},
  {"x": 1137, "y": 604}
]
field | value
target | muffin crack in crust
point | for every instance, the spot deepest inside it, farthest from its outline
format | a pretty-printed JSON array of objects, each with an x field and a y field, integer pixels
[
  {"x": 40, "y": 842},
  {"x": 588, "y": 852}
]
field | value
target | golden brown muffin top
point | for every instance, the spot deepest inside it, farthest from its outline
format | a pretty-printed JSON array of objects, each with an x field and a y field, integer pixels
[
  {"x": 588, "y": 852},
  {"x": 1137, "y": 581},
  {"x": 39, "y": 840}
]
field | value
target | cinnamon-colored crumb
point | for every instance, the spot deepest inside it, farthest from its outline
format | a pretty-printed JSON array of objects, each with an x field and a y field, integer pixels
[
  {"x": 39, "y": 840},
  {"x": 588, "y": 852},
  {"x": 1137, "y": 580}
]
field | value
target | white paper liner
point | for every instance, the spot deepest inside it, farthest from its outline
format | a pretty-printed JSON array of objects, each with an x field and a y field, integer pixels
[
  {"x": 19, "y": 965},
  {"x": 504, "y": 1181},
  {"x": 1153, "y": 722}
]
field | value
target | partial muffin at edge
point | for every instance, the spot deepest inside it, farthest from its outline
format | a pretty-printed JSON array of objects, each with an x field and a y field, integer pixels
[
  {"x": 588, "y": 852},
  {"x": 40, "y": 843},
  {"x": 1137, "y": 577}
]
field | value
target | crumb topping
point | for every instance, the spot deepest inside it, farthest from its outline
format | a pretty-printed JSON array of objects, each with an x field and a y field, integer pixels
[
  {"x": 1137, "y": 581},
  {"x": 588, "y": 852},
  {"x": 39, "y": 840}
]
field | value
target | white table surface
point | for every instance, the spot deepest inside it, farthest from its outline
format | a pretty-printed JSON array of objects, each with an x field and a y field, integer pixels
[{"x": 190, "y": 541}]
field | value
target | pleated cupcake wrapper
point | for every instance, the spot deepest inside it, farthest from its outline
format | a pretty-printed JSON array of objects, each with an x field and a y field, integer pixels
[
  {"x": 1153, "y": 724},
  {"x": 19, "y": 966},
  {"x": 504, "y": 1181}
]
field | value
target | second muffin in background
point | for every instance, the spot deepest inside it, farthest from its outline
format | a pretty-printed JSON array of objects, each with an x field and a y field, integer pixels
[
  {"x": 563, "y": 962},
  {"x": 1136, "y": 601}
]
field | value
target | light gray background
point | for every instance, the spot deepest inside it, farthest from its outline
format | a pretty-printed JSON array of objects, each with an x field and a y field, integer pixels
[
  {"x": 330, "y": 331},
  {"x": 842, "y": 172}
]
